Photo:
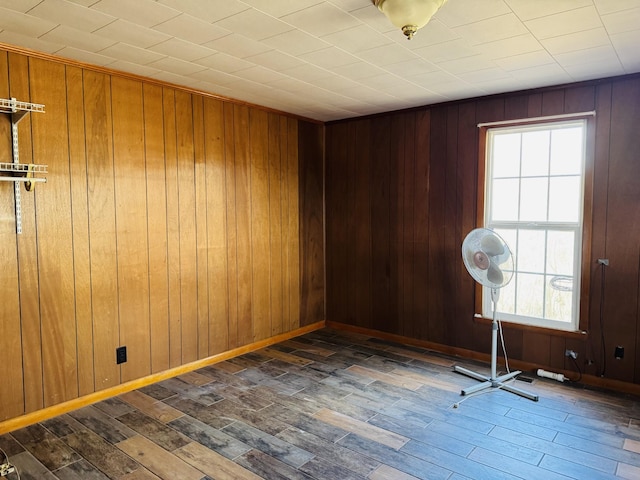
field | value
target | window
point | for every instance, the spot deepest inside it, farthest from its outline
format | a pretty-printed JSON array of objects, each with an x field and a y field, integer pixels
[{"x": 534, "y": 197}]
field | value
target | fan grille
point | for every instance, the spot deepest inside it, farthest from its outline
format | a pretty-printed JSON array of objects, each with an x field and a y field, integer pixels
[{"x": 487, "y": 258}]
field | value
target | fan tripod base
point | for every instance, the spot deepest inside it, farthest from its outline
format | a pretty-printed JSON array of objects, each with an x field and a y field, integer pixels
[{"x": 498, "y": 382}]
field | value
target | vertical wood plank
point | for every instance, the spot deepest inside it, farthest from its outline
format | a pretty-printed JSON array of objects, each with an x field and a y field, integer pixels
[
  {"x": 284, "y": 201},
  {"x": 173, "y": 227},
  {"x": 437, "y": 241},
  {"x": 452, "y": 236},
  {"x": 351, "y": 221},
  {"x": 516, "y": 107},
  {"x": 514, "y": 340},
  {"x": 362, "y": 231},
  {"x": 310, "y": 161},
  {"x": 27, "y": 249},
  {"x": 232, "y": 232},
  {"x": 156, "y": 227},
  {"x": 12, "y": 395},
  {"x": 428, "y": 238},
  {"x": 53, "y": 215},
  {"x": 336, "y": 257},
  {"x": 534, "y": 105},
  {"x": 396, "y": 212},
  {"x": 243, "y": 223},
  {"x": 409, "y": 324},
  {"x": 102, "y": 227},
  {"x": 201, "y": 228},
  {"x": 80, "y": 226},
  {"x": 260, "y": 232},
  {"x": 557, "y": 347},
  {"x": 380, "y": 219},
  {"x": 466, "y": 199},
  {"x": 131, "y": 223},
  {"x": 186, "y": 209},
  {"x": 580, "y": 99},
  {"x": 217, "y": 230},
  {"x": 536, "y": 348},
  {"x": 491, "y": 109},
  {"x": 293, "y": 224},
  {"x": 553, "y": 102},
  {"x": 276, "y": 283}
]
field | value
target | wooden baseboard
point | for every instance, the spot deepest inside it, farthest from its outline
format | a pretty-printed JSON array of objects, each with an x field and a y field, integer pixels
[
  {"x": 591, "y": 380},
  {"x": 55, "y": 410}
]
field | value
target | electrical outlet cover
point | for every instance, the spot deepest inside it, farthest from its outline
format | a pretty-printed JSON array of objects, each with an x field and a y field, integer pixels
[{"x": 121, "y": 355}]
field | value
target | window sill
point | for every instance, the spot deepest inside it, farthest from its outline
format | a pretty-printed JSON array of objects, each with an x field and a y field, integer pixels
[{"x": 579, "y": 334}]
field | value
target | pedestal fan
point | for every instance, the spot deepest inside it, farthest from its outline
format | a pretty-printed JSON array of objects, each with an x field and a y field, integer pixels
[{"x": 489, "y": 261}]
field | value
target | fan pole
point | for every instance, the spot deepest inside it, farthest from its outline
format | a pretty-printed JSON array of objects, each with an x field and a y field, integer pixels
[
  {"x": 494, "y": 381},
  {"x": 495, "y": 294}
]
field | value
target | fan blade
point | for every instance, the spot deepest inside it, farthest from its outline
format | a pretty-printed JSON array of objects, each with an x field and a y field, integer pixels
[
  {"x": 500, "y": 259},
  {"x": 492, "y": 245},
  {"x": 494, "y": 275}
]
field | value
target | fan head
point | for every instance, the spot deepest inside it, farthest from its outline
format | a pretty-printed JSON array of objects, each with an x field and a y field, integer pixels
[{"x": 487, "y": 258}]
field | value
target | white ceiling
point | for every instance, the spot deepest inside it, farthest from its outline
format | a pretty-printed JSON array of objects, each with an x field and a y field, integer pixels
[{"x": 333, "y": 59}]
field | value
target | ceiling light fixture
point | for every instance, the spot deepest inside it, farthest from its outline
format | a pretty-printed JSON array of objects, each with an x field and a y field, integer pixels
[{"x": 409, "y": 15}]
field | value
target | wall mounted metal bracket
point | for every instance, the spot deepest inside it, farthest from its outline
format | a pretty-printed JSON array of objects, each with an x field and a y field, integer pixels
[{"x": 19, "y": 172}]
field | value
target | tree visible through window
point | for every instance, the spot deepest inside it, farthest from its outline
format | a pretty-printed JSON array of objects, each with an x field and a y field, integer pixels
[{"x": 534, "y": 191}]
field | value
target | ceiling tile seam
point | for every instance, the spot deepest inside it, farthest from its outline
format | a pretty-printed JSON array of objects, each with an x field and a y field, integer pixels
[
  {"x": 613, "y": 47},
  {"x": 555, "y": 61},
  {"x": 53, "y": 44},
  {"x": 136, "y": 47},
  {"x": 461, "y": 26},
  {"x": 184, "y": 14},
  {"x": 553, "y": 14},
  {"x": 448, "y": 73},
  {"x": 279, "y": 18}
]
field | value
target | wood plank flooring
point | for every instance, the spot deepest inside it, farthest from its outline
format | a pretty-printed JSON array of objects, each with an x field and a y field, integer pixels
[{"x": 332, "y": 405}]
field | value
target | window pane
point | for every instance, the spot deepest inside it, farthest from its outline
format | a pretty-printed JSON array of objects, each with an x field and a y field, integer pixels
[
  {"x": 506, "y": 155},
  {"x": 564, "y": 199},
  {"x": 504, "y": 203},
  {"x": 566, "y": 151},
  {"x": 533, "y": 199},
  {"x": 530, "y": 295},
  {"x": 530, "y": 256},
  {"x": 535, "y": 153},
  {"x": 560, "y": 252},
  {"x": 510, "y": 236},
  {"x": 558, "y": 303},
  {"x": 507, "y": 300}
]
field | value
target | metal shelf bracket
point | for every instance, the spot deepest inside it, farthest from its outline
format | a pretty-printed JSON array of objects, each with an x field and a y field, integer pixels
[{"x": 19, "y": 172}]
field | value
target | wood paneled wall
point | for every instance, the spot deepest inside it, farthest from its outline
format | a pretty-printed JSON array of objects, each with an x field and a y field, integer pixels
[
  {"x": 401, "y": 194},
  {"x": 176, "y": 224}
]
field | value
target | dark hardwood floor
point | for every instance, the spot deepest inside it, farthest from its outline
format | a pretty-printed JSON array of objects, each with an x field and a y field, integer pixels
[{"x": 332, "y": 405}]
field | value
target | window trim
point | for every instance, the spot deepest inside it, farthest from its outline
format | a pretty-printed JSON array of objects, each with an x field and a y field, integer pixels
[{"x": 587, "y": 213}]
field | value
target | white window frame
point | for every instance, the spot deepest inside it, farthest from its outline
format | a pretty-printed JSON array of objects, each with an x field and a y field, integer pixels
[{"x": 545, "y": 226}]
